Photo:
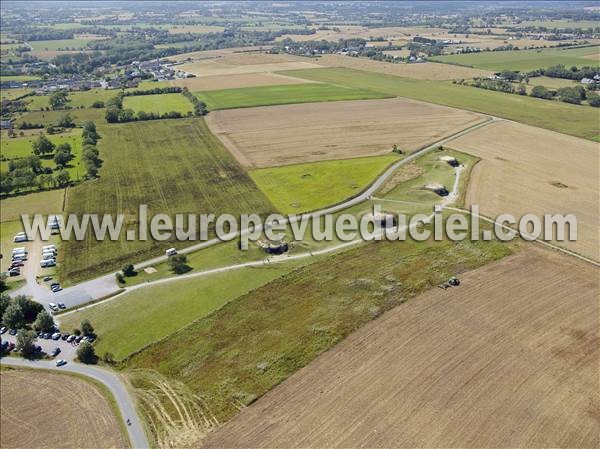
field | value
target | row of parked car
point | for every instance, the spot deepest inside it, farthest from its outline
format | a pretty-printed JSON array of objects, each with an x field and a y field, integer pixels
[
  {"x": 49, "y": 253},
  {"x": 18, "y": 258},
  {"x": 65, "y": 337}
]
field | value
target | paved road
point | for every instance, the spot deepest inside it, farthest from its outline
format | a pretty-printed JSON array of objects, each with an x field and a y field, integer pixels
[
  {"x": 137, "y": 437},
  {"x": 104, "y": 286}
]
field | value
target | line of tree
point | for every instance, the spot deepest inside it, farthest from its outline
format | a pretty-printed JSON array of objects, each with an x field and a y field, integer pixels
[
  {"x": 116, "y": 114},
  {"x": 571, "y": 73},
  {"x": 153, "y": 91},
  {"x": 90, "y": 156},
  {"x": 199, "y": 106}
]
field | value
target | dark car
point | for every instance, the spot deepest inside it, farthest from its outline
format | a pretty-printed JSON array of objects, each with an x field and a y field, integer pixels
[
  {"x": 55, "y": 352},
  {"x": 47, "y": 278},
  {"x": 54, "y": 284},
  {"x": 15, "y": 272},
  {"x": 64, "y": 336},
  {"x": 91, "y": 338},
  {"x": 12, "y": 331},
  {"x": 79, "y": 338},
  {"x": 61, "y": 305}
]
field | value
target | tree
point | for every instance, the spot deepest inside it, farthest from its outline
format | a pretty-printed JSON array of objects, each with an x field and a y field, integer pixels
[
  {"x": 66, "y": 121},
  {"x": 87, "y": 328},
  {"x": 89, "y": 131},
  {"x": 44, "y": 322},
  {"x": 86, "y": 353},
  {"x": 62, "y": 178},
  {"x": 3, "y": 286},
  {"x": 62, "y": 158},
  {"x": 541, "y": 92},
  {"x": 4, "y": 303},
  {"x": 569, "y": 95},
  {"x": 593, "y": 99},
  {"x": 42, "y": 145},
  {"x": 98, "y": 104},
  {"x": 120, "y": 278},
  {"x": 58, "y": 99},
  {"x": 25, "y": 342},
  {"x": 13, "y": 316},
  {"x": 29, "y": 308},
  {"x": 178, "y": 264}
]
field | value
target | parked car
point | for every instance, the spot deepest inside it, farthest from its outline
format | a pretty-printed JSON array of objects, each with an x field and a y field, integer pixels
[
  {"x": 55, "y": 352},
  {"x": 12, "y": 331},
  {"x": 3, "y": 329},
  {"x": 56, "y": 288},
  {"x": 79, "y": 338},
  {"x": 47, "y": 278},
  {"x": 53, "y": 306},
  {"x": 71, "y": 338},
  {"x": 15, "y": 272},
  {"x": 61, "y": 362},
  {"x": 56, "y": 336},
  {"x": 47, "y": 336},
  {"x": 91, "y": 338},
  {"x": 54, "y": 284},
  {"x": 64, "y": 336},
  {"x": 61, "y": 305}
]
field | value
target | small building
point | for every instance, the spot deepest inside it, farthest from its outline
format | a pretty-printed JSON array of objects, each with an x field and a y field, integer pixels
[
  {"x": 587, "y": 81},
  {"x": 450, "y": 160},
  {"x": 440, "y": 189}
]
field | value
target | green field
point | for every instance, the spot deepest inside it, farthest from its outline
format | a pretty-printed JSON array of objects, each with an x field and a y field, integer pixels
[
  {"x": 173, "y": 166},
  {"x": 76, "y": 99},
  {"x": 59, "y": 44},
  {"x": 253, "y": 343},
  {"x": 288, "y": 94},
  {"x": 149, "y": 314},
  {"x": 5, "y": 79},
  {"x": 159, "y": 104},
  {"x": 565, "y": 118},
  {"x": 52, "y": 117},
  {"x": 560, "y": 24},
  {"x": 46, "y": 202},
  {"x": 524, "y": 60},
  {"x": 306, "y": 187},
  {"x": 20, "y": 147},
  {"x": 12, "y": 94}
]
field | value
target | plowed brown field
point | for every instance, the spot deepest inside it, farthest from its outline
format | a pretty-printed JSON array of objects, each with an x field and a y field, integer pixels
[
  {"x": 532, "y": 170},
  {"x": 280, "y": 135},
  {"x": 45, "y": 410},
  {"x": 507, "y": 359}
]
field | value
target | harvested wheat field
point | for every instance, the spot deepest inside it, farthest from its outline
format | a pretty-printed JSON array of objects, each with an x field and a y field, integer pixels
[
  {"x": 281, "y": 135},
  {"x": 208, "y": 54},
  {"x": 531, "y": 170},
  {"x": 205, "y": 83},
  {"x": 507, "y": 359},
  {"x": 241, "y": 63},
  {"x": 425, "y": 71},
  {"x": 32, "y": 402}
]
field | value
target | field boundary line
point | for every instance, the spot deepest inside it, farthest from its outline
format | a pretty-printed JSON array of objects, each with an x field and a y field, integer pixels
[{"x": 532, "y": 239}]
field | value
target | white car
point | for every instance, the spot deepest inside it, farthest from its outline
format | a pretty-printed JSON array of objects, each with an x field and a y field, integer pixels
[{"x": 61, "y": 362}]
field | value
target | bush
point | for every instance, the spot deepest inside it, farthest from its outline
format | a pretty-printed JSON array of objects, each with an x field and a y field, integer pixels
[
  {"x": 178, "y": 264},
  {"x": 44, "y": 322},
  {"x": 129, "y": 270},
  {"x": 541, "y": 92},
  {"x": 87, "y": 328}
]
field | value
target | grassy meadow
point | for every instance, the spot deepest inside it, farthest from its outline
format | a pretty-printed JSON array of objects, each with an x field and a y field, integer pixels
[
  {"x": 253, "y": 343},
  {"x": 58, "y": 44},
  {"x": 287, "y": 94},
  {"x": 20, "y": 147},
  {"x": 146, "y": 315},
  {"x": 194, "y": 174},
  {"x": 524, "y": 60},
  {"x": 305, "y": 187},
  {"x": 570, "y": 119},
  {"x": 52, "y": 117},
  {"x": 159, "y": 104}
]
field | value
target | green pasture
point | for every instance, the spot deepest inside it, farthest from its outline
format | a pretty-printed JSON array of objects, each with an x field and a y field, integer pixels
[
  {"x": 287, "y": 94},
  {"x": 524, "y": 60},
  {"x": 159, "y": 104},
  {"x": 311, "y": 186}
]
